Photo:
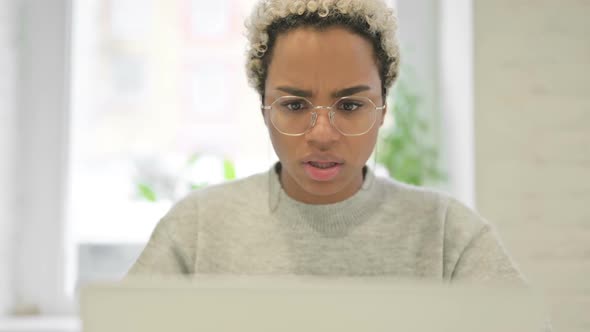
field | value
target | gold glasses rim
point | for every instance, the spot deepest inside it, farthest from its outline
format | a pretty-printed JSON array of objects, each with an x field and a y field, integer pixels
[
  {"x": 267, "y": 107},
  {"x": 330, "y": 114}
]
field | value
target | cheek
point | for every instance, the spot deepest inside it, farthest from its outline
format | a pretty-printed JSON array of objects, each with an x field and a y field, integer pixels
[
  {"x": 284, "y": 146},
  {"x": 364, "y": 146},
  {"x": 274, "y": 136}
]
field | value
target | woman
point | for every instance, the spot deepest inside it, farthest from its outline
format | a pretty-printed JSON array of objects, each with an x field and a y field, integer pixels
[{"x": 322, "y": 69}]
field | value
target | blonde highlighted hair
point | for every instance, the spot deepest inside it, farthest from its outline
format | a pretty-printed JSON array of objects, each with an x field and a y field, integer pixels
[{"x": 372, "y": 19}]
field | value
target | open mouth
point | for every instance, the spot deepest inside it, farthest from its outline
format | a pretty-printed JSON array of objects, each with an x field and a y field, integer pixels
[
  {"x": 322, "y": 171},
  {"x": 323, "y": 165}
]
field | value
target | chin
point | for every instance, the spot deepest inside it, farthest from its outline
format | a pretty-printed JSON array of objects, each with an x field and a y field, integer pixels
[
  {"x": 322, "y": 188},
  {"x": 311, "y": 190}
]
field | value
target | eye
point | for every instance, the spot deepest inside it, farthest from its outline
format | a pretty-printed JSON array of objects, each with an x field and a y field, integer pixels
[
  {"x": 349, "y": 105},
  {"x": 294, "y": 105}
]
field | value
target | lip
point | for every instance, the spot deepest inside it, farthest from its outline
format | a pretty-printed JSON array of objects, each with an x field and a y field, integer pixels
[
  {"x": 322, "y": 158},
  {"x": 322, "y": 175}
]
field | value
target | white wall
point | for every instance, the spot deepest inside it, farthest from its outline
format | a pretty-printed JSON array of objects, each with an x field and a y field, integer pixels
[
  {"x": 532, "y": 126},
  {"x": 42, "y": 135},
  {"x": 8, "y": 63}
]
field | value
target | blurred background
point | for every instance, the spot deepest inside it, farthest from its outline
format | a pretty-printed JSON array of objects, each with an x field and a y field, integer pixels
[{"x": 111, "y": 110}]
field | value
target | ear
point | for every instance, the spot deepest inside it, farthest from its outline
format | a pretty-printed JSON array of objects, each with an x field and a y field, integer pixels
[
  {"x": 262, "y": 111},
  {"x": 383, "y": 114},
  {"x": 386, "y": 106}
]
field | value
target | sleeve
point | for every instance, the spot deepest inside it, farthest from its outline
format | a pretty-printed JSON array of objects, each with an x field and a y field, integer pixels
[
  {"x": 473, "y": 250},
  {"x": 484, "y": 258},
  {"x": 171, "y": 249},
  {"x": 474, "y": 253}
]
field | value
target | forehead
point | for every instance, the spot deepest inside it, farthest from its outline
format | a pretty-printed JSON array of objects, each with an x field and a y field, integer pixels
[{"x": 330, "y": 58}]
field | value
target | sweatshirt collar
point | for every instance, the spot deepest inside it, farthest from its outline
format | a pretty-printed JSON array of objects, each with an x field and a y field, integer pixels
[{"x": 332, "y": 220}]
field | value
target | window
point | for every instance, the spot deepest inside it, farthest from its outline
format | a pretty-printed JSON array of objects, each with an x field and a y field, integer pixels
[
  {"x": 150, "y": 119},
  {"x": 147, "y": 122},
  {"x": 210, "y": 19}
]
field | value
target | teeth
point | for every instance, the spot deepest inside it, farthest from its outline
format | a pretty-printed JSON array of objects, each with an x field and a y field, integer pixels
[{"x": 322, "y": 165}]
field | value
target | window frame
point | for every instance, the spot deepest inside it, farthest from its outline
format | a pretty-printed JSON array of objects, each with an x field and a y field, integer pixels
[{"x": 42, "y": 144}]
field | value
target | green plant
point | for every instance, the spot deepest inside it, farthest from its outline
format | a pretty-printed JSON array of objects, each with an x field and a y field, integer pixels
[{"x": 403, "y": 148}]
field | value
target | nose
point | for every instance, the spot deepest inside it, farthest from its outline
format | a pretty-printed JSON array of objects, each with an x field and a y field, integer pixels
[{"x": 322, "y": 132}]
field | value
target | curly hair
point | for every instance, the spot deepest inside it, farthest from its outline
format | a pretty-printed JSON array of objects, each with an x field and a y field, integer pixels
[{"x": 372, "y": 19}]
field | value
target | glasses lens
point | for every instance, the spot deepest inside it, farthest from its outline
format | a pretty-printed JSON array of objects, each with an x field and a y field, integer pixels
[
  {"x": 354, "y": 115},
  {"x": 291, "y": 115}
]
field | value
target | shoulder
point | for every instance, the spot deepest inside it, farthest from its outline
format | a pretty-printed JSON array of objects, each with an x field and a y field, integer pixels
[
  {"x": 421, "y": 203},
  {"x": 251, "y": 184},
  {"x": 412, "y": 200},
  {"x": 455, "y": 226},
  {"x": 225, "y": 194},
  {"x": 238, "y": 192}
]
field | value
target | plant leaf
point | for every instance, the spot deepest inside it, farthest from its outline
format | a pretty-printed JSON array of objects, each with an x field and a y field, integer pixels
[
  {"x": 229, "y": 170},
  {"x": 146, "y": 192}
]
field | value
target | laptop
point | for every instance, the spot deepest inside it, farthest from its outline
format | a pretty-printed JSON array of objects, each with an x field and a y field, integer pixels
[{"x": 295, "y": 304}]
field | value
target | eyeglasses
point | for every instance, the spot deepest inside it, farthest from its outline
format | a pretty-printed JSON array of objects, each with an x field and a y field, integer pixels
[{"x": 351, "y": 116}]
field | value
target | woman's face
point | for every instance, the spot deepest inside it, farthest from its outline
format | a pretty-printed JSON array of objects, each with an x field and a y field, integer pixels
[{"x": 322, "y": 66}]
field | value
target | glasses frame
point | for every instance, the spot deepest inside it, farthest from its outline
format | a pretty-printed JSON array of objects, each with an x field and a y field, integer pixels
[{"x": 314, "y": 114}]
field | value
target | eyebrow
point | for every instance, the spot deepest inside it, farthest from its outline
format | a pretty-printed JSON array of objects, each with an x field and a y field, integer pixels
[{"x": 337, "y": 94}]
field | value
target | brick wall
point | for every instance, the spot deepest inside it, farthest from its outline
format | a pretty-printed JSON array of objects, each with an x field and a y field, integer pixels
[
  {"x": 7, "y": 121},
  {"x": 532, "y": 127}
]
